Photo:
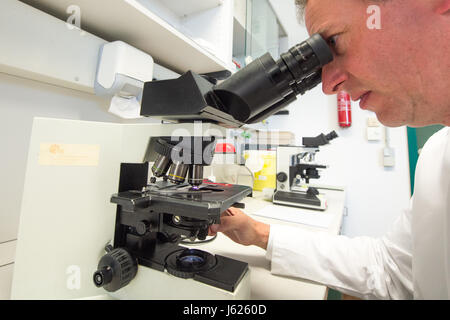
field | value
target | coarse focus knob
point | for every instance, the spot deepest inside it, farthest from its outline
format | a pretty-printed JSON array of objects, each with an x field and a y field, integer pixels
[
  {"x": 282, "y": 177},
  {"x": 115, "y": 270},
  {"x": 142, "y": 227}
]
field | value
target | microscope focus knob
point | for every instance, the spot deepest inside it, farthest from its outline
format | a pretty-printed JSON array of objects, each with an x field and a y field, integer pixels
[
  {"x": 142, "y": 227},
  {"x": 115, "y": 270},
  {"x": 282, "y": 177}
]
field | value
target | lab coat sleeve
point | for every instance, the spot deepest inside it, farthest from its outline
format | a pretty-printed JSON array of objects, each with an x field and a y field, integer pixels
[{"x": 364, "y": 267}]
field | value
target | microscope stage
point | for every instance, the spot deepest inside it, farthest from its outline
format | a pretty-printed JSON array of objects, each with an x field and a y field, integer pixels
[
  {"x": 209, "y": 201},
  {"x": 207, "y": 192}
]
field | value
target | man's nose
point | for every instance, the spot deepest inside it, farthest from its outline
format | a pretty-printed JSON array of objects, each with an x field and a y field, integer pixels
[{"x": 333, "y": 79}]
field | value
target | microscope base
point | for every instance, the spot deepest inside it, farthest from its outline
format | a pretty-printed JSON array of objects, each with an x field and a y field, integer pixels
[
  {"x": 153, "y": 284},
  {"x": 300, "y": 199}
]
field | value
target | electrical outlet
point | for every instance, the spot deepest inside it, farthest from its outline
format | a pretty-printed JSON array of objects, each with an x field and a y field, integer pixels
[{"x": 389, "y": 157}]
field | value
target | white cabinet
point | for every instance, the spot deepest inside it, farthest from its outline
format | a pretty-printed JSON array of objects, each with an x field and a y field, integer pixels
[
  {"x": 180, "y": 35},
  {"x": 207, "y": 22},
  {"x": 257, "y": 30},
  {"x": 188, "y": 7}
]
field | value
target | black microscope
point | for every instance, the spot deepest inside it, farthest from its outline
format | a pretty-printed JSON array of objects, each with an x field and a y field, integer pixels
[{"x": 152, "y": 218}]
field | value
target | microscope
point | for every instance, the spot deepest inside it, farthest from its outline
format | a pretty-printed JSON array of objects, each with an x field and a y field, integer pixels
[
  {"x": 296, "y": 166},
  {"x": 157, "y": 214},
  {"x": 153, "y": 218}
]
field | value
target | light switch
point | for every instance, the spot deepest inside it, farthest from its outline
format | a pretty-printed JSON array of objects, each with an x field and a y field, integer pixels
[{"x": 374, "y": 133}]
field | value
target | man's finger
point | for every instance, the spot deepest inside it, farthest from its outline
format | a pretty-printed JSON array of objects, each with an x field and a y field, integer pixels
[
  {"x": 226, "y": 224},
  {"x": 214, "y": 228},
  {"x": 211, "y": 231},
  {"x": 234, "y": 211},
  {"x": 225, "y": 213}
]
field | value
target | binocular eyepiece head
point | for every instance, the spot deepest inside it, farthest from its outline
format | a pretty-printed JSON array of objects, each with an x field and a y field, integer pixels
[
  {"x": 250, "y": 95},
  {"x": 265, "y": 86}
]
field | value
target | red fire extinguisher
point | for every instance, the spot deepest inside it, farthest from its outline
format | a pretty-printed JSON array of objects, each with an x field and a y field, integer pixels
[{"x": 344, "y": 109}]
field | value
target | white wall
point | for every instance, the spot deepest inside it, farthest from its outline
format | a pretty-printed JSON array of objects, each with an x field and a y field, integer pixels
[
  {"x": 375, "y": 195},
  {"x": 20, "y": 101}
]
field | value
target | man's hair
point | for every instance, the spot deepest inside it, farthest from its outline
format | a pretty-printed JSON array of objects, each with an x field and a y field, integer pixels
[{"x": 300, "y": 5}]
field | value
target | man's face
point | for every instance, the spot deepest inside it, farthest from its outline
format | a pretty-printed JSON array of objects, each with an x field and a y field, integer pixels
[{"x": 394, "y": 70}]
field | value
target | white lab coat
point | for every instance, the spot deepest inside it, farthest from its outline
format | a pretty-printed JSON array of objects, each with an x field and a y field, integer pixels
[{"x": 411, "y": 261}]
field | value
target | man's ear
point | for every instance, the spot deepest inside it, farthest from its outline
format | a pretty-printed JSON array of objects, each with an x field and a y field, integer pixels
[{"x": 443, "y": 7}]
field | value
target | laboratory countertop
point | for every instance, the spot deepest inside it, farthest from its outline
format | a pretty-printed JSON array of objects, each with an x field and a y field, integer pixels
[{"x": 265, "y": 285}]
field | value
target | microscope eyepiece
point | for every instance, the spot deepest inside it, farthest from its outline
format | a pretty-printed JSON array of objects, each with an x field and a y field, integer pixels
[
  {"x": 307, "y": 57},
  {"x": 320, "y": 48},
  {"x": 265, "y": 86},
  {"x": 332, "y": 135},
  {"x": 250, "y": 95}
]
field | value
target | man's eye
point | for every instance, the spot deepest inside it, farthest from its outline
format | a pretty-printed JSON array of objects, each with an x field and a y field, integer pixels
[{"x": 332, "y": 41}]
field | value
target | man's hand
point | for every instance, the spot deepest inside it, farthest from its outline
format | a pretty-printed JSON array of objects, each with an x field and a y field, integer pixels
[{"x": 242, "y": 229}]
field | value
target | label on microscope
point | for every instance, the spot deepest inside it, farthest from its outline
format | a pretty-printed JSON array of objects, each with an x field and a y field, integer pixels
[{"x": 57, "y": 154}]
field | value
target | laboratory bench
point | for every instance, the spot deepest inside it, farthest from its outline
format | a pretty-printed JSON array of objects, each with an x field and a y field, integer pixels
[{"x": 264, "y": 284}]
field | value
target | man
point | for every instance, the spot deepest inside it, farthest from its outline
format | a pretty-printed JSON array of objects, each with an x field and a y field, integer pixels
[{"x": 399, "y": 69}]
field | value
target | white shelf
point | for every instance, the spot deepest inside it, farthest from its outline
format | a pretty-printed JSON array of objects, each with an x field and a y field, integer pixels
[
  {"x": 131, "y": 22},
  {"x": 187, "y": 7}
]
